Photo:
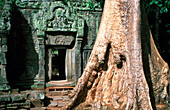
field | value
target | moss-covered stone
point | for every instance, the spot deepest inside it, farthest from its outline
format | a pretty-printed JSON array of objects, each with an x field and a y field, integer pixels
[
  {"x": 5, "y": 98},
  {"x": 17, "y": 97},
  {"x": 35, "y": 95},
  {"x": 4, "y": 87},
  {"x": 31, "y": 23}
]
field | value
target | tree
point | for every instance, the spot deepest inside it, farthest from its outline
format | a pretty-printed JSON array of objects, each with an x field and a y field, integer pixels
[{"x": 125, "y": 70}]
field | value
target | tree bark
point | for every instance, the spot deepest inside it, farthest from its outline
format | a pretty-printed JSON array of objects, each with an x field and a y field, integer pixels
[{"x": 125, "y": 70}]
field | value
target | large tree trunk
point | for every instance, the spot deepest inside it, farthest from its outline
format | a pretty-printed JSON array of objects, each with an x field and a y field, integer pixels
[{"x": 125, "y": 70}]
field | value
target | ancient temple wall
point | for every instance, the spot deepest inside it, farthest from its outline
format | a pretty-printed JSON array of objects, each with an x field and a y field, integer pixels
[
  {"x": 23, "y": 68},
  {"x": 4, "y": 34},
  {"x": 31, "y": 21}
]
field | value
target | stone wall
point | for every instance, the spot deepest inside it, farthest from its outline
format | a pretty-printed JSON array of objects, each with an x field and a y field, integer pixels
[
  {"x": 16, "y": 100},
  {"x": 23, "y": 62},
  {"x": 4, "y": 34},
  {"x": 31, "y": 22}
]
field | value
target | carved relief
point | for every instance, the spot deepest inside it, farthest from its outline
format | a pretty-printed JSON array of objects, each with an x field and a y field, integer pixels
[
  {"x": 56, "y": 16},
  {"x": 62, "y": 17},
  {"x": 28, "y": 3},
  {"x": 87, "y": 6},
  {"x": 59, "y": 39},
  {"x": 5, "y": 20}
]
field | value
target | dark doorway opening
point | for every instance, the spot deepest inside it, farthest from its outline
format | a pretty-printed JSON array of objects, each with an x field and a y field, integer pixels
[{"x": 58, "y": 64}]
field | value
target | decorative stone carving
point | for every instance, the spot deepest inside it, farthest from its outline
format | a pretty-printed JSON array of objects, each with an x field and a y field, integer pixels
[
  {"x": 5, "y": 20},
  {"x": 86, "y": 6},
  {"x": 57, "y": 16},
  {"x": 60, "y": 40},
  {"x": 47, "y": 17},
  {"x": 61, "y": 18},
  {"x": 4, "y": 31},
  {"x": 28, "y": 3}
]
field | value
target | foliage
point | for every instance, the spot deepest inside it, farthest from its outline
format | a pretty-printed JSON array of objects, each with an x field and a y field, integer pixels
[
  {"x": 12, "y": 4},
  {"x": 65, "y": 2},
  {"x": 1, "y": 6},
  {"x": 91, "y": 5},
  {"x": 161, "y": 9},
  {"x": 162, "y": 5},
  {"x": 2, "y": 3}
]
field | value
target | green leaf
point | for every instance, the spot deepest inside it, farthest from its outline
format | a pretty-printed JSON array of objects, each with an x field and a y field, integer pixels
[
  {"x": 160, "y": 5},
  {"x": 156, "y": 2},
  {"x": 161, "y": 11},
  {"x": 151, "y": 2},
  {"x": 166, "y": 10},
  {"x": 167, "y": 25},
  {"x": 168, "y": 31}
]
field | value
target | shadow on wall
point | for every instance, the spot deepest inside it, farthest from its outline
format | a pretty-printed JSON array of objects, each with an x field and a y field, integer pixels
[{"x": 22, "y": 59}]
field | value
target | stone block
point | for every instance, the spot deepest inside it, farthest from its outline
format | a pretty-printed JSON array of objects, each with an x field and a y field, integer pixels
[
  {"x": 17, "y": 97},
  {"x": 2, "y": 58},
  {"x": 18, "y": 105},
  {"x": 4, "y": 87},
  {"x": 3, "y": 73},
  {"x": 36, "y": 95},
  {"x": 22, "y": 109},
  {"x": 4, "y": 98},
  {"x": 2, "y": 105},
  {"x": 4, "y": 48},
  {"x": 53, "y": 93},
  {"x": 3, "y": 41},
  {"x": 62, "y": 104},
  {"x": 4, "y": 93},
  {"x": 38, "y": 86},
  {"x": 2, "y": 80},
  {"x": 3, "y": 108},
  {"x": 37, "y": 103},
  {"x": 41, "y": 73},
  {"x": 60, "y": 98},
  {"x": 57, "y": 93},
  {"x": 38, "y": 108},
  {"x": 41, "y": 41},
  {"x": 15, "y": 91},
  {"x": 12, "y": 107},
  {"x": 66, "y": 98},
  {"x": 53, "y": 104}
]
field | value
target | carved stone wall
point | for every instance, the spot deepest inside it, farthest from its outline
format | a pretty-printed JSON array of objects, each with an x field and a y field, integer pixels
[
  {"x": 59, "y": 40},
  {"x": 33, "y": 20},
  {"x": 4, "y": 34}
]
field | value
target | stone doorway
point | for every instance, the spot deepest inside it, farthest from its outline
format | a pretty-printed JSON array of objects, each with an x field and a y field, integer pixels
[
  {"x": 58, "y": 72},
  {"x": 56, "y": 61},
  {"x": 58, "y": 64},
  {"x": 60, "y": 58}
]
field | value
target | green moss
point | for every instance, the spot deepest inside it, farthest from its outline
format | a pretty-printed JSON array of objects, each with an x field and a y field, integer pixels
[{"x": 1, "y": 7}]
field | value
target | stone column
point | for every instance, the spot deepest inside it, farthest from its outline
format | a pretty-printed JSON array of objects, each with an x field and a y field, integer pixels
[
  {"x": 41, "y": 72},
  {"x": 78, "y": 56},
  {"x": 4, "y": 32},
  {"x": 3, "y": 49},
  {"x": 78, "y": 52}
]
